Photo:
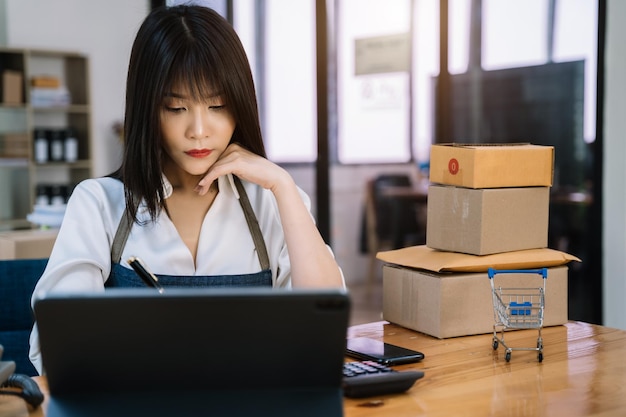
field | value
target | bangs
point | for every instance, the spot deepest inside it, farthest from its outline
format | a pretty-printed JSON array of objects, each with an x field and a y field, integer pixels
[{"x": 194, "y": 72}]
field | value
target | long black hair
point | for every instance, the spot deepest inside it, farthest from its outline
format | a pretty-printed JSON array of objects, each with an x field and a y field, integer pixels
[{"x": 191, "y": 46}]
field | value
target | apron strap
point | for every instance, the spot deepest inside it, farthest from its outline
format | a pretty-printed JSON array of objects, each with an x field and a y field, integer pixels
[
  {"x": 253, "y": 225},
  {"x": 121, "y": 236},
  {"x": 123, "y": 230}
]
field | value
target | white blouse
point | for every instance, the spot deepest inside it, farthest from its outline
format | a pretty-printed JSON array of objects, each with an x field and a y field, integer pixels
[{"x": 81, "y": 258}]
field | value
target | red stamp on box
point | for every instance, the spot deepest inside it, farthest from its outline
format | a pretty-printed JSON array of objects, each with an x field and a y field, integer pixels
[{"x": 453, "y": 166}]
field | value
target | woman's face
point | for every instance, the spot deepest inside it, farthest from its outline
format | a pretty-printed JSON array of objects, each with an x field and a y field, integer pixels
[{"x": 195, "y": 133}]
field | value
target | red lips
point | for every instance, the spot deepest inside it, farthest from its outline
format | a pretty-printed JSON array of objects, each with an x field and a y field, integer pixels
[{"x": 199, "y": 153}]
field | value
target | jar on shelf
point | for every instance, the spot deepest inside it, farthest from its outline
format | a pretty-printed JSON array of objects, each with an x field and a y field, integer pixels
[
  {"x": 41, "y": 146},
  {"x": 42, "y": 195},
  {"x": 56, "y": 145},
  {"x": 70, "y": 146},
  {"x": 58, "y": 194}
]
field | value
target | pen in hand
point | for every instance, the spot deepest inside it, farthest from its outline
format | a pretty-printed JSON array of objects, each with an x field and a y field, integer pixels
[{"x": 148, "y": 277}]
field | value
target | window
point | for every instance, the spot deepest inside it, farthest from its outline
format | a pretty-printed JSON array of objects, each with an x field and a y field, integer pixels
[
  {"x": 508, "y": 42},
  {"x": 289, "y": 106},
  {"x": 373, "y": 107},
  {"x": 376, "y": 120}
]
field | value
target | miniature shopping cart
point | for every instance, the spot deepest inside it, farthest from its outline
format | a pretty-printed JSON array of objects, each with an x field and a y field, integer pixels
[{"x": 517, "y": 308}]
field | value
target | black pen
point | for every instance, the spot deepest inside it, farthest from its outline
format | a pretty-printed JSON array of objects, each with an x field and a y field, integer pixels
[{"x": 148, "y": 277}]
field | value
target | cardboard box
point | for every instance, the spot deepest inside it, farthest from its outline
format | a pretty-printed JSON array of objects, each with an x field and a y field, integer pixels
[
  {"x": 460, "y": 304},
  {"x": 492, "y": 165},
  {"x": 487, "y": 221},
  {"x": 447, "y": 294},
  {"x": 45, "y": 81},
  {"x": 423, "y": 257},
  {"x": 12, "y": 87},
  {"x": 27, "y": 244},
  {"x": 14, "y": 146}
]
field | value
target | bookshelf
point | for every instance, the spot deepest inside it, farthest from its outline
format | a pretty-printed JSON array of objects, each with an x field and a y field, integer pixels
[{"x": 44, "y": 94}]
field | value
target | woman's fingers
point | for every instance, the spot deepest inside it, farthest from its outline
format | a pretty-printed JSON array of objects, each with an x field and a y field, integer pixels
[{"x": 244, "y": 164}]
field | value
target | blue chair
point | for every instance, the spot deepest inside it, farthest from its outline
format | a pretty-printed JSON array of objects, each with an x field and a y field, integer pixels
[{"x": 17, "y": 281}]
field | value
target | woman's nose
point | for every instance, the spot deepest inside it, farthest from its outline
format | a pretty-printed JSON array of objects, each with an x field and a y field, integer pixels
[{"x": 198, "y": 127}]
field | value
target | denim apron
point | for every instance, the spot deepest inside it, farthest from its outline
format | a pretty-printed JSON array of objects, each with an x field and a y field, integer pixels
[{"x": 125, "y": 277}]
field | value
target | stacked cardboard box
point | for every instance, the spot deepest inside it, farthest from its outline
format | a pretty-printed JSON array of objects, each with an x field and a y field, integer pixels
[
  {"x": 489, "y": 199},
  {"x": 12, "y": 87},
  {"x": 488, "y": 206},
  {"x": 27, "y": 244}
]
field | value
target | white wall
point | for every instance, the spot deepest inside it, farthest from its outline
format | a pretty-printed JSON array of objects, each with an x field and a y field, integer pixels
[
  {"x": 614, "y": 186},
  {"x": 104, "y": 31}
]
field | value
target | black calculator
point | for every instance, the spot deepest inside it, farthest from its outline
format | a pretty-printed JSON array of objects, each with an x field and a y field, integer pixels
[{"x": 368, "y": 378}]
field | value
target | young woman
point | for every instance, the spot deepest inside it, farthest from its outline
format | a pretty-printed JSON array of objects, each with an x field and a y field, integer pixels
[{"x": 195, "y": 198}]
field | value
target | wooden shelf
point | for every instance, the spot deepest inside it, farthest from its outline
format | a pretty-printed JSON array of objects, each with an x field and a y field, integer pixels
[{"x": 20, "y": 121}]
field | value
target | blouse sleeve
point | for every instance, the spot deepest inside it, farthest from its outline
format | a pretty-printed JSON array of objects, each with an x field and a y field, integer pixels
[
  {"x": 81, "y": 256},
  {"x": 273, "y": 233},
  {"x": 80, "y": 259}
]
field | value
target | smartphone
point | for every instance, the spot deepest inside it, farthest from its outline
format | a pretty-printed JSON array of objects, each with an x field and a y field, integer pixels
[{"x": 367, "y": 349}]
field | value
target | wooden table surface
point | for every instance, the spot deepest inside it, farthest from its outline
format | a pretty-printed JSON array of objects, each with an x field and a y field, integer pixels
[{"x": 583, "y": 374}]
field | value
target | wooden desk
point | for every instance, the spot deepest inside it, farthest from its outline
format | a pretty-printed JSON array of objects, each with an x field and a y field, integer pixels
[{"x": 582, "y": 374}]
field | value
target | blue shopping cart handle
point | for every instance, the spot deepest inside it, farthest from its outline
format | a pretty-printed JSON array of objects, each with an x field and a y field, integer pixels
[{"x": 491, "y": 272}]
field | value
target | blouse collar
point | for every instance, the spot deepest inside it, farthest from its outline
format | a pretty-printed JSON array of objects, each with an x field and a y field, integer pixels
[{"x": 168, "y": 189}]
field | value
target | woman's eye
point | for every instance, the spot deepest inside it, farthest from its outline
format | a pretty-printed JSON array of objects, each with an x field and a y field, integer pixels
[
  {"x": 218, "y": 107},
  {"x": 174, "y": 109}
]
